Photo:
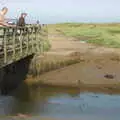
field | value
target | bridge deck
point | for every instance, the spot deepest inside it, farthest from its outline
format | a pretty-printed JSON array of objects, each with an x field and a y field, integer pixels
[{"x": 19, "y": 42}]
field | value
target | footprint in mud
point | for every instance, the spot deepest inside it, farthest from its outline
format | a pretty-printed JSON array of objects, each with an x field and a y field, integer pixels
[{"x": 109, "y": 76}]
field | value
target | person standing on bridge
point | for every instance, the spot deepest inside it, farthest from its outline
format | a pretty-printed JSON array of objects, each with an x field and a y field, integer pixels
[
  {"x": 3, "y": 23},
  {"x": 21, "y": 20},
  {"x": 3, "y": 12}
]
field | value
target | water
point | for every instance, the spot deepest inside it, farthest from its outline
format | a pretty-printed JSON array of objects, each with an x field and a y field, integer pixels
[{"x": 61, "y": 103}]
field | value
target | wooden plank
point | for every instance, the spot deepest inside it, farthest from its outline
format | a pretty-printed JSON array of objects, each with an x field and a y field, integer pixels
[
  {"x": 21, "y": 41},
  {"x": 39, "y": 40},
  {"x": 36, "y": 40},
  {"x": 4, "y": 45},
  {"x": 32, "y": 40},
  {"x": 27, "y": 44},
  {"x": 14, "y": 33}
]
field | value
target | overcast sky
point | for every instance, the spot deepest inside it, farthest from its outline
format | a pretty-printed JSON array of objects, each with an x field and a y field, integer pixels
[{"x": 65, "y": 10}]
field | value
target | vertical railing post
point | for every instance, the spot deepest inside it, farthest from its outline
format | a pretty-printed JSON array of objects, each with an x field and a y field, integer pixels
[
  {"x": 41, "y": 41},
  {"x": 14, "y": 34},
  {"x": 5, "y": 45},
  {"x": 21, "y": 41},
  {"x": 27, "y": 31},
  {"x": 32, "y": 39},
  {"x": 37, "y": 39}
]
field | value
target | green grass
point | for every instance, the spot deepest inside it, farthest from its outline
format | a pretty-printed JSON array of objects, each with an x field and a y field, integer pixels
[{"x": 100, "y": 34}]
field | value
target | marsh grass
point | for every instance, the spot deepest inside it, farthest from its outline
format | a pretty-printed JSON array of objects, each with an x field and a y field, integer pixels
[
  {"x": 43, "y": 66},
  {"x": 100, "y": 34}
]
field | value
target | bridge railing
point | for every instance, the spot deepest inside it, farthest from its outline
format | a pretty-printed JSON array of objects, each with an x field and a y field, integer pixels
[{"x": 19, "y": 42}]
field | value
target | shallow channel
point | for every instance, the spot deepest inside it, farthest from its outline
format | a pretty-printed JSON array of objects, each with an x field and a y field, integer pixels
[{"x": 61, "y": 103}]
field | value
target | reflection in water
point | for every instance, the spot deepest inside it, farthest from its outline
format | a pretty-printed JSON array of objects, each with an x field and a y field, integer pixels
[
  {"x": 55, "y": 102},
  {"x": 5, "y": 105}
]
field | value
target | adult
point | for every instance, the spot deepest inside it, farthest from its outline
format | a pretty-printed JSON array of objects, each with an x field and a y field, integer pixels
[
  {"x": 21, "y": 20},
  {"x": 3, "y": 12},
  {"x": 3, "y": 23}
]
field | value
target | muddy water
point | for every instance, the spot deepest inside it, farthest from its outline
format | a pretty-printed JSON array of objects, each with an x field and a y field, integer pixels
[{"x": 61, "y": 103}]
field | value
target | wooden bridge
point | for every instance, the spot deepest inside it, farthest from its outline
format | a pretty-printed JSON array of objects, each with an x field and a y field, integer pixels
[{"x": 20, "y": 42}]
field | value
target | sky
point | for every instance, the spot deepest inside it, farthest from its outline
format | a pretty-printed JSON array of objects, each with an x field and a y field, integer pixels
[{"x": 53, "y": 11}]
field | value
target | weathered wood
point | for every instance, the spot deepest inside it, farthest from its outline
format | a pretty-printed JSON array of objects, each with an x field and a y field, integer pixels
[
  {"x": 27, "y": 44},
  {"x": 5, "y": 47},
  {"x": 32, "y": 39},
  {"x": 20, "y": 42},
  {"x": 37, "y": 40},
  {"x": 14, "y": 33}
]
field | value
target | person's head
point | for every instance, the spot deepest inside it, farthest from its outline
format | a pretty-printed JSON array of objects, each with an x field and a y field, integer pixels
[
  {"x": 38, "y": 21},
  {"x": 4, "y": 10},
  {"x": 23, "y": 15}
]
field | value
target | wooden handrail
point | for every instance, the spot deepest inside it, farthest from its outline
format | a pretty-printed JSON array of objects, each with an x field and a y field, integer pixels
[{"x": 20, "y": 41}]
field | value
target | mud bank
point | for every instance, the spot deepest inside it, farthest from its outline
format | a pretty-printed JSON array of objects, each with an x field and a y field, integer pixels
[
  {"x": 52, "y": 60},
  {"x": 89, "y": 65},
  {"x": 86, "y": 70}
]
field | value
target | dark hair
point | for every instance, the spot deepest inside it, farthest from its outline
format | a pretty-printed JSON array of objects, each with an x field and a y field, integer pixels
[
  {"x": 4, "y": 8},
  {"x": 23, "y": 14}
]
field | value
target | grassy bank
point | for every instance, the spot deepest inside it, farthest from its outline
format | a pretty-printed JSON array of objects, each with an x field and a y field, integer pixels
[{"x": 100, "y": 34}]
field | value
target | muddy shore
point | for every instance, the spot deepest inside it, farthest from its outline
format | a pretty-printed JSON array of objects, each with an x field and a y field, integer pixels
[{"x": 98, "y": 66}]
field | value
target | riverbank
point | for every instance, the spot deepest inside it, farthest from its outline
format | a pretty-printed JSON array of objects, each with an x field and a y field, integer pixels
[
  {"x": 98, "y": 66},
  {"x": 89, "y": 73}
]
